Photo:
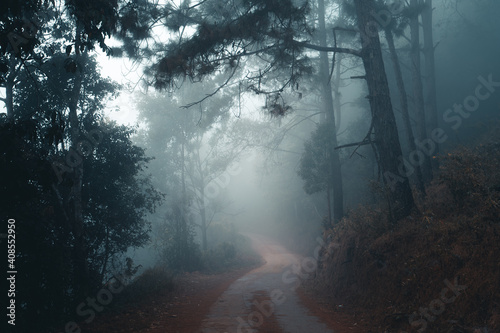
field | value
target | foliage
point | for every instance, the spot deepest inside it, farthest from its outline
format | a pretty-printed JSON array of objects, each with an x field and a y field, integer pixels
[
  {"x": 315, "y": 165},
  {"x": 42, "y": 234},
  {"x": 222, "y": 40},
  {"x": 38, "y": 174},
  {"x": 369, "y": 262},
  {"x": 176, "y": 235},
  {"x": 116, "y": 198},
  {"x": 227, "y": 249},
  {"x": 472, "y": 177},
  {"x": 152, "y": 281}
]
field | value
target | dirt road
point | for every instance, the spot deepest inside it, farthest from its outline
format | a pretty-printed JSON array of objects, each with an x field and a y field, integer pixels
[{"x": 265, "y": 299}]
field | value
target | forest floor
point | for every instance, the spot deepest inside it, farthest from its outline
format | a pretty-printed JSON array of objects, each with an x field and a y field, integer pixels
[
  {"x": 196, "y": 301},
  {"x": 438, "y": 270},
  {"x": 179, "y": 310}
]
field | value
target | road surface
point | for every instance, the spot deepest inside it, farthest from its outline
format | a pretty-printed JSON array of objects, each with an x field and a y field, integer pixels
[{"x": 265, "y": 299}]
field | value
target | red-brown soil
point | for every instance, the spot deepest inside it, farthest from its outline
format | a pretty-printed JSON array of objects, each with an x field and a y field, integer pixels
[
  {"x": 177, "y": 311},
  {"x": 334, "y": 316},
  {"x": 183, "y": 309}
]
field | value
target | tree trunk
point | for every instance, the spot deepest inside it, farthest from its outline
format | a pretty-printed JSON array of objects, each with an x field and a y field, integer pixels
[
  {"x": 336, "y": 93},
  {"x": 326, "y": 91},
  {"x": 9, "y": 88},
  {"x": 430, "y": 72},
  {"x": 80, "y": 253},
  {"x": 183, "y": 209},
  {"x": 329, "y": 203},
  {"x": 418, "y": 92},
  {"x": 201, "y": 202},
  {"x": 404, "y": 106},
  {"x": 387, "y": 144},
  {"x": 203, "y": 214}
]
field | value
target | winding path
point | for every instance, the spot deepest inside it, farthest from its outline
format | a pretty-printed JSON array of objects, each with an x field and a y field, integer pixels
[{"x": 265, "y": 299}]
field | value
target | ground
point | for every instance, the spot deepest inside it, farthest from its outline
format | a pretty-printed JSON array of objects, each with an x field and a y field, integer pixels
[{"x": 211, "y": 303}]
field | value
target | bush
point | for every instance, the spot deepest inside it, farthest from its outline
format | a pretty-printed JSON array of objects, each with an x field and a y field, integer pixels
[
  {"x": 473, "y": 178},
  {"x": 392, "y": 272},
  {"x": 178, "y": 249},
  {"x": 153, "y": 281},
  {"x": 219, "y": 257}
]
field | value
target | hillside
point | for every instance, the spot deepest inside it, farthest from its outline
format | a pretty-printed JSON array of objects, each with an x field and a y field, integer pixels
[{"x": 437, "y": 270}]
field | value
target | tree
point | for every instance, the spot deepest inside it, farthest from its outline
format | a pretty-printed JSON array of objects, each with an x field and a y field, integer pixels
[
  {"x": 168, "y": 132},
  {"x": 386, "y": 142},
  {"x": 71, "y": 222},
  {"x": 328, "y": 105},
  {"x": 392, "y": 28},
  {"x": 430, "y": 68},
  {"x": 117, "y": 198},
  {"x": 315, "y": 164},
  {"x": 276, "y": 35},
  {"x": 418, "y": 90},
  {"x": 196, "y": 146}
]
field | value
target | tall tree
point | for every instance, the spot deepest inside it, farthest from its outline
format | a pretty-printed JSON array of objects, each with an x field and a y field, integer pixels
[
  {"x": 115, "y": 193},
  {"x": 396, "y": 26},
  {"x": 386, "y": 141},
  {"x": 277, "y": 32},
  {"x": 418, "y": 90},
  {"x": 315, "y": 164},
  {"x": 199, "y": 143},
  {"x": 328, "y": 109},
  {"x": 430, "y": 69}
]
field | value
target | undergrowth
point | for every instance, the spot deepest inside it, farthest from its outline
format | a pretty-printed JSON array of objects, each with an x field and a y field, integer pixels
[{"x": 397, "y": 273}]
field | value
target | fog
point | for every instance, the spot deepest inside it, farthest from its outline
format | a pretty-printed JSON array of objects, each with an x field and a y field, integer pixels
[
  {"x": 175, "y": 143},
  {"x": 261, "y": 191}
]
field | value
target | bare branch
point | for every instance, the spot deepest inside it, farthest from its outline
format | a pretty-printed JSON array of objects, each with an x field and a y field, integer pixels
[
  {"x": 330, "y": 49},
  {"x": 219, "y": 88},
  {"x": 362, "y": 143}
]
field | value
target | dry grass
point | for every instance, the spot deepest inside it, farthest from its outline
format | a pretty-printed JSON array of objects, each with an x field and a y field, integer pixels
[{"x": 391, "y": 272}]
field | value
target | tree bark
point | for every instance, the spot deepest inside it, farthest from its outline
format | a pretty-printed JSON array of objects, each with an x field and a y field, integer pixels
[
  {"x": 326, "y": 91},
  {"x": 404, "y": 106},
  {"x": 387, "y": 144},
  {"x": 430, "y": 72},
  {"x": 80, "y": 253},
  {"x": 329, "y": 203},
  {"x": 336, "y": 93},
  {"x": 418, "y": 92},
  {"x": 10, "y": 82},
  {"x": 201, "y": 201}
]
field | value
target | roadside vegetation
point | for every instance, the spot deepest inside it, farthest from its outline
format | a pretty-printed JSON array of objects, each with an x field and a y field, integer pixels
[{"x": 436, "y": 270}]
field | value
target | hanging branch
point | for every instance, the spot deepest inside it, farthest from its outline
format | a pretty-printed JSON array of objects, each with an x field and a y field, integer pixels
[
  {"x": 366, "y": 141},
  {"x": 219, "y": 88},
  {"x": 334, "y": 55}
]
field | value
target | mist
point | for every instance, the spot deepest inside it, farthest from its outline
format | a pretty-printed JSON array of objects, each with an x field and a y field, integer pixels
[{"x": 246, "y": 166}]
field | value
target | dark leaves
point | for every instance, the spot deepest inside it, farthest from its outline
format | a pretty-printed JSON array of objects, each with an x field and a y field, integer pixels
[{"x": 70, "y": 65}]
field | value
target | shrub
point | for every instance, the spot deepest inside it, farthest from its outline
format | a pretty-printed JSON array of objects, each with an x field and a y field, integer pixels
[
  {"x": 472, "y": 176},
  {"x": 221, "y": 256},
  {"x": 153, "y": 281}
]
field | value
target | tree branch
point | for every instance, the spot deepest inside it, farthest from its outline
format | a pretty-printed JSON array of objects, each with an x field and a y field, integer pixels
[
  {"x": 362, "y": 143},
  {"x": 187, "y": 106},
  {"x": 329, "y": 49}
]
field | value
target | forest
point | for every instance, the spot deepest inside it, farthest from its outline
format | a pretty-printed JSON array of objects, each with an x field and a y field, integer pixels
[{"x": 250, "y": 166}]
